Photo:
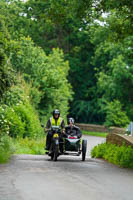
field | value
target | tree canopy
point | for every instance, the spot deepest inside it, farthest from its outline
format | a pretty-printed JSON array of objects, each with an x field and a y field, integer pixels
[{"x": 74, "y": 55}]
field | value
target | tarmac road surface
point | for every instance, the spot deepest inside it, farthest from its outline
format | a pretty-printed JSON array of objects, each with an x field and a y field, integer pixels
[{"x": 35, "y": 177}]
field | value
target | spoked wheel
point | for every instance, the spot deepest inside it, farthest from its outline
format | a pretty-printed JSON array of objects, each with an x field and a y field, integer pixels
[
  {"x": 84, "y": 149},
  {"x": 55, "y": 155}
]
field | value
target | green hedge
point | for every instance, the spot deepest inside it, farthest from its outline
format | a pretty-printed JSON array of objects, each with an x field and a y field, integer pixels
[
  {"x": 18, "y": 117},
  {"x": 20, "y": 121},
  {"x": 6, "y": 148},
  {"x": 119, "y": 155}
]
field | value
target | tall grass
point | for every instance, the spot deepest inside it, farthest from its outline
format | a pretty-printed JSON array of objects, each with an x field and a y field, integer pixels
[
  {"x": 29, "y": 145},
  {"x": 6, "y": 148}
]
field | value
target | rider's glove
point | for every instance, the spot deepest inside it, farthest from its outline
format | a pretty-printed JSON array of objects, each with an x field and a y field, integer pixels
[{"x": 63, "y": 131}]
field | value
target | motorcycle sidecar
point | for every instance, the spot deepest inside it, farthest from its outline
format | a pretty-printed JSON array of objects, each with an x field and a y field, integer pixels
[{"x": 75, "y": 146}]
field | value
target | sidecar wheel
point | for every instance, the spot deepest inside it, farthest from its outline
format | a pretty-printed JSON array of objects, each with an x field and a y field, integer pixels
[{"x": 84, "y": 148}]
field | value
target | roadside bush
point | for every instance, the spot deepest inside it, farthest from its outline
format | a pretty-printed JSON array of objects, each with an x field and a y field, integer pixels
[
  {"x": 119, "y": 155},
  {"x": 10, "y": 122},
  {"x": 98, "y": 151},
  {"x": 18, "y": 117},
  {"x": 29, "y": 146},
  {"x": 20, "y": 121},
  {"x": 6, "y": 148},
  {"x": 30, "y": 120}
]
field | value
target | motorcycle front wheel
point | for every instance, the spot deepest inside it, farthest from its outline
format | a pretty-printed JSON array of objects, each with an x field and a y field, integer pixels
[
  {"x": 52, "y": 156},
  {"x": 56, "y": 152}
]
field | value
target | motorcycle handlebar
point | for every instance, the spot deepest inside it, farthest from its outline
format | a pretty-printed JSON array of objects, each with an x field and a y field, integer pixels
[{"x": 52, "y": 129}]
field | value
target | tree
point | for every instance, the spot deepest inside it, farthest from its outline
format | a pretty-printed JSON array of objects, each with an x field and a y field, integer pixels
[
  {"x": 61, "y": 24},
  {"x": 113, "y": 62},
  {"x": 6, "y": 72},
  {"x": 96, "y": 39},
  {"x": 46, "y": 74}
]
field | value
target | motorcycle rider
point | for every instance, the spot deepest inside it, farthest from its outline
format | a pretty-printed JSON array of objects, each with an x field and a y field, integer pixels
[
  {"x": 72, "y": 130},
  {"x": 55, "y": 120}
]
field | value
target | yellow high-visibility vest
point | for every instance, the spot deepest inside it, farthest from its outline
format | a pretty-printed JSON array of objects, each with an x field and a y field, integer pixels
[{"x": 55, "y": 123}]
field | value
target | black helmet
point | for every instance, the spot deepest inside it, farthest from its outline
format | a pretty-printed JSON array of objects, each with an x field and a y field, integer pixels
[
  {"x": 70, "y": 120},
  {"x": 56, "y": 112}
]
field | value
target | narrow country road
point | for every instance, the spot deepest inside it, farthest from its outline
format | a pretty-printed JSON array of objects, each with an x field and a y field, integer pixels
[{"x": 33, "y": 177}]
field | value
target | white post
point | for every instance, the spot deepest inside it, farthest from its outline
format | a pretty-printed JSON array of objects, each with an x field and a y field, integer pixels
[{"x": 131, "y": 128}]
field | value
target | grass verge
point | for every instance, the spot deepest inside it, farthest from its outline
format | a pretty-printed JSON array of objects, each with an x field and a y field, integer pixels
[
  {"x": 6, "y": 149},
  {"x": 99, "y": 134},
  {"x": 119, "y": 155},
  {"x": 29, "y": 146}
]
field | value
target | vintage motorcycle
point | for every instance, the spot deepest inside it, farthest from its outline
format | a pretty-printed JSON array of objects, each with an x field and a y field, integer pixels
[
  {"x": 55, "y": 143},
  {"x": 70, "y": 145}
]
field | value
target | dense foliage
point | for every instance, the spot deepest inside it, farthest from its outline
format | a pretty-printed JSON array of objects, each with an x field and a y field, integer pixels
[
  {"x": 6, "y": 72},
  {"x": 119, "y": 155},
  {"x": 96, "y": 39},
  {"x": 46, "y": 75},
  {"x": 17, "y": 116},
  {"x": 73, "y": 55}
]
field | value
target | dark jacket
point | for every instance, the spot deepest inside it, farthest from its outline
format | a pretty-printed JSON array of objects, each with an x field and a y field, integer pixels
[{"x": 74, "y": 131}]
